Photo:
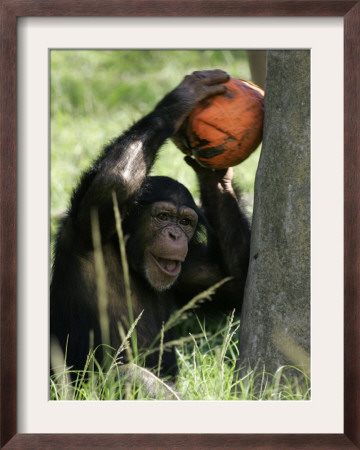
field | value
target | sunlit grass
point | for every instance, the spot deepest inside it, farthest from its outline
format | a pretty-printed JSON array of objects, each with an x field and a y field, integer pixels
[{"x": 207, "y": 371}]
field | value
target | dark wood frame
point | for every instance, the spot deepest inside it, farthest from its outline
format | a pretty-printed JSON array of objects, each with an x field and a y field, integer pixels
[{"x": 10, "y": 11}]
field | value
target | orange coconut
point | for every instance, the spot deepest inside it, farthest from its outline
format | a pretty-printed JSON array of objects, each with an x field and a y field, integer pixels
[{"x": 224, "y": 130}]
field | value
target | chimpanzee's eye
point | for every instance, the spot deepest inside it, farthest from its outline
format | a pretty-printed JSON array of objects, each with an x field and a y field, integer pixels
[
  {"x": 186, "y": 222},
  {"x": 163, "y": 216}
]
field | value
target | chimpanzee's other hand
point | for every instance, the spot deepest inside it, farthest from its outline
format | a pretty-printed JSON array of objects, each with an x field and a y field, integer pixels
[{"x": 221, "y": 178}]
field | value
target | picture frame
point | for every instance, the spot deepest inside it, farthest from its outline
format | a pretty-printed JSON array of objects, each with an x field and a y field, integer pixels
[{"x": 350, "y": 11}]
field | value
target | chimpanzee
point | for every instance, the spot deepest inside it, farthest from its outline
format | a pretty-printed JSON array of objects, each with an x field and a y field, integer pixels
[{"x": 174, "y": 248}]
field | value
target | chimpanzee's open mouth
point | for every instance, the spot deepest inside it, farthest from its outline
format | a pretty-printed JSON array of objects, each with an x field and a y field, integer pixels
[{"x": 170, "y": 267}]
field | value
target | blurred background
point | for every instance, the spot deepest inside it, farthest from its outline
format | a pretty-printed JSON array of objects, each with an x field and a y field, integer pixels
[{"x": 98, "y": 94}]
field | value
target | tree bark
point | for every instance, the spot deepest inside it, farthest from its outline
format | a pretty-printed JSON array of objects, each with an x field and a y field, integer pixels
[{"x": 275, "y": 325}]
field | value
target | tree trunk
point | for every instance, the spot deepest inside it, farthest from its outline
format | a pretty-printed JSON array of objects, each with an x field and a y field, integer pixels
[{"x": 275, "y": 325}]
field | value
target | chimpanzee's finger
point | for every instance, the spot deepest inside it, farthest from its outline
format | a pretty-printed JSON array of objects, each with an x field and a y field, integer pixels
[
  {"x": 217, "y": 89},
  {"x": 209, "y": 77}
]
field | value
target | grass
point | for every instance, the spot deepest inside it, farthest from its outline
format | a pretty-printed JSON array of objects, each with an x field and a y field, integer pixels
[
  {"x": 207, "y": 371},
  {"x": 95, "y": 96}
]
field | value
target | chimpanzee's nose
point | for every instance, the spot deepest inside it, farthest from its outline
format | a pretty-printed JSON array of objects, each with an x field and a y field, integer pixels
[{"x": 174, "y": 233}]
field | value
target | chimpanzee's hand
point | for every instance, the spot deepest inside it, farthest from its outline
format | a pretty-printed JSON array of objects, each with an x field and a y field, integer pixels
[
  {"x": 194, "y": 88},
  {"x": 221, "y": 178}
]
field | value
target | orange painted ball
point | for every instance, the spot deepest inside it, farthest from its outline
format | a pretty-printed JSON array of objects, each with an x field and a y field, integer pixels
[{"x": 225, "y": 129}]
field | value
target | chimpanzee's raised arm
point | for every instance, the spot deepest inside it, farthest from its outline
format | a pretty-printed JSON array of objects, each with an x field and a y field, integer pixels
[
  {"x": 221, "y": 207},
  {"x": 126, "y": 162}
]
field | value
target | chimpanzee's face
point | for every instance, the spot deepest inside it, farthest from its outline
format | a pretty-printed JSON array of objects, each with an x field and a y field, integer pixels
[{"x": 167, "y": 229}]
